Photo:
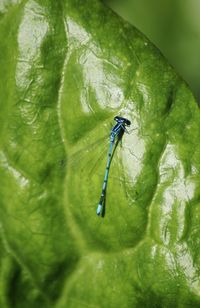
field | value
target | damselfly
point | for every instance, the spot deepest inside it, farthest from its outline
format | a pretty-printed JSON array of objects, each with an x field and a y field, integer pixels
[{"x": 116, "y": 135}]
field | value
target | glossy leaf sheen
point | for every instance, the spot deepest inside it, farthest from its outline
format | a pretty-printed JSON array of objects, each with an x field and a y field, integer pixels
[{"x": 67, "y": 68}]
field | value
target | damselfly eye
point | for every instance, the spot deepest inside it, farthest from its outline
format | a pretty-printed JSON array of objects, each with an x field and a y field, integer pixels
[
  {"x": 122, "y": 120},
  {"x": 127, "y": 122},
  {"x": 117, "y": 119}
]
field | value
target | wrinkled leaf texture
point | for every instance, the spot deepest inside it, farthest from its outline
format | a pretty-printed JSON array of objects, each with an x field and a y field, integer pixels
[{"x": 66, "y": 69}]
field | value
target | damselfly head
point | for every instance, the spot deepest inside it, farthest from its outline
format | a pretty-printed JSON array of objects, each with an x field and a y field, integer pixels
[{"x": 122, "y": 120}]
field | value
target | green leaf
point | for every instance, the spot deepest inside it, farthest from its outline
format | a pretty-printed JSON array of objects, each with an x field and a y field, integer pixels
[{"x": 68, "y": 67}]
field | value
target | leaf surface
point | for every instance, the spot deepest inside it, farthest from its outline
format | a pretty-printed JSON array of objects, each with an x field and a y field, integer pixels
[{"x": 67, "y": 69}]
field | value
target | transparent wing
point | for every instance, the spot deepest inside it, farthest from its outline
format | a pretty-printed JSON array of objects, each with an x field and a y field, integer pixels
[
  {"x": 87, "y": 151},
  {"x": 90, "y": 160}
]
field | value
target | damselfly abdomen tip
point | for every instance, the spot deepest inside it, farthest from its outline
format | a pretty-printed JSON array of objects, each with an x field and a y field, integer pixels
[{"x": 99, "y": 209}]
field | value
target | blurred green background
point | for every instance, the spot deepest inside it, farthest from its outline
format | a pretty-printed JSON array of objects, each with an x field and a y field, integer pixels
[{"x": 174, "y": 27}]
